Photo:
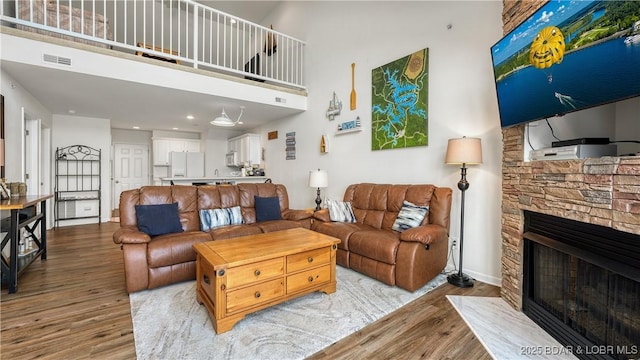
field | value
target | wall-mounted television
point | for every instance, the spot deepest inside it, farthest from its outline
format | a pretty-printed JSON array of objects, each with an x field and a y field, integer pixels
[{"x": 568, "y": 56}]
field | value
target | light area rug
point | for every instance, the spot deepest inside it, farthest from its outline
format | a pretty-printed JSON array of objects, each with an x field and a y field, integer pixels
[{"x": 168, "y": 322}]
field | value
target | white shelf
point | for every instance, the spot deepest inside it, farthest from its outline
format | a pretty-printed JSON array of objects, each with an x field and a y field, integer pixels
[
  {"x": 340, "y": 132},
  {"x": 78, "y": 186}
]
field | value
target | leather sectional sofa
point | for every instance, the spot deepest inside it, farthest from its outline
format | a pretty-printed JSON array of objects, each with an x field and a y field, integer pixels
[
  {"x": 160, "y": 260},
  {"x": 407, "y": 259}
]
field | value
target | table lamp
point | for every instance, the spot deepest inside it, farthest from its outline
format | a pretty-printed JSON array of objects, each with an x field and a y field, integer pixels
[{"x": 318, "y": 179}]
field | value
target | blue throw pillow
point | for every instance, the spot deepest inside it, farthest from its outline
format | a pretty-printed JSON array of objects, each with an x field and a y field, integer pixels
[
  {"x": 213, "y": 218},
  {"x": 410, "y": 216},
  {"x": 158, "y": 219},
  {"x": 267, "y": 208}
]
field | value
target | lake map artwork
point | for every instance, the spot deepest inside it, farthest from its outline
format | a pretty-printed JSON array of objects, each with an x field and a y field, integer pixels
[{"x": 399, "y": 93}]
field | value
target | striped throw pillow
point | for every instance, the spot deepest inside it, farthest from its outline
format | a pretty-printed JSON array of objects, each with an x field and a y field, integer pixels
[
  {"x": 410, "y": 215},
  {"x": 213, "y": 218},
  {"x": 340, "y": 211}
]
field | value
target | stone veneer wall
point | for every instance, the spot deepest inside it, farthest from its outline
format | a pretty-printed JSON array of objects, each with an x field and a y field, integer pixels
[{"x": 603, "y": 191}]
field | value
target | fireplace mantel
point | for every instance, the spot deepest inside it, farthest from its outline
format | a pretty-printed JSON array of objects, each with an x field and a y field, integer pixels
[{"x": 602, "y": 191}]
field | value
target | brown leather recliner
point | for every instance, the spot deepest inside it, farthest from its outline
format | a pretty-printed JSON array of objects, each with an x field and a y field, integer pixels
[
  {"x": 151, "y": 262},
  {"x": 406, "y": 259}
]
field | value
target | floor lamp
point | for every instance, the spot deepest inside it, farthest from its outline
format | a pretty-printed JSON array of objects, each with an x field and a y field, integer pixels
[
  {"x": 318, "y": 179},
  {"x": 464, "y": 151}
]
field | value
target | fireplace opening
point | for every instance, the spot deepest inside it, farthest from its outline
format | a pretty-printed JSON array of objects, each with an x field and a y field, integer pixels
[{"x": 582, "y": 285}]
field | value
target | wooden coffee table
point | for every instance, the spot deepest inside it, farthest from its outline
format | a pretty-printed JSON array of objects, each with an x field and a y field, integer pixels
[{"x": 242, "y": 275}]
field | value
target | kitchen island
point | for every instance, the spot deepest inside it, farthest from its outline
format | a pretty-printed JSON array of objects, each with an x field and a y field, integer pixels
[{"x": 212, "y": 180}]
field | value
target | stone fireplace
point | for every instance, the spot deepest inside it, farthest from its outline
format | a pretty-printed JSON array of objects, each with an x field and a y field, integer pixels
[
  {"x": 604, "y": 192},
  {"x": 600, "y": 191}
]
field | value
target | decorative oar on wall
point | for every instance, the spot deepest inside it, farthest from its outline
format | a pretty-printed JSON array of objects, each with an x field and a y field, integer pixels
[{"x": 353, "y": 86}]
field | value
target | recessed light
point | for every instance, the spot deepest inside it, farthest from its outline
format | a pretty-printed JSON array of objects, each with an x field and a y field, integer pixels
[
  {"x": 136, "y": 127},
  {"x": 190, "y": 117},
  {"x": 174, "y": 128},
  {"x": 72, "y": 111}
]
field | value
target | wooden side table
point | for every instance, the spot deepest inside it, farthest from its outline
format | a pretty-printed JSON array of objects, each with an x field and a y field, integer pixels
[{"x": 24, "y": 215}]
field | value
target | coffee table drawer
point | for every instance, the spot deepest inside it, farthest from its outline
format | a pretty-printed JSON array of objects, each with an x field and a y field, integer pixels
[
  {"x": 251, "y": 273},
  {"x": 309, "y": 278},
  {"x": 308, "y": 259},
  {"x": 254, "y": 295}
]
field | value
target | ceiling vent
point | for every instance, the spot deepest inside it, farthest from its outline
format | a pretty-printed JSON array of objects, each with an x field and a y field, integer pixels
[{"x": 54, "y": 59}]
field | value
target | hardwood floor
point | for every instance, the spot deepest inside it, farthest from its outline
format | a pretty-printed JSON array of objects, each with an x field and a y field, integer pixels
[
  {"x": 427, "y": 328},
  {"x": 74, "y": 306}
]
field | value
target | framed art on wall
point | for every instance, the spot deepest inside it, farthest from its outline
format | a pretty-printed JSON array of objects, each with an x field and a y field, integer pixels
[{"x": 399, "y": 102}]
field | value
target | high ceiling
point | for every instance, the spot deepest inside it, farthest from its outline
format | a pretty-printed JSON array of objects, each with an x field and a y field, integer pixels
[
  {"x": 130, "y": 104},
  {"x": 254, "y": 11}
]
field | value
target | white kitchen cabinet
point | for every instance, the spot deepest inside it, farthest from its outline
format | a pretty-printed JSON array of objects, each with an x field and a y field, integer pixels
[
  {"x": 162, "y": 148},
  {"x": 246, "y": 148},
  {"x": 192, "y": 145}
]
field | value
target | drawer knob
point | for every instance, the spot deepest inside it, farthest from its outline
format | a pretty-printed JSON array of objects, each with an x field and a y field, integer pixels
[
  {"x": 310, "y": 278},
  {"x": 310, "y": 259},
  {"x": 257, "y": 294},
  {"x": 257, "y": 272},
  {"x": 206, "y": 280}
]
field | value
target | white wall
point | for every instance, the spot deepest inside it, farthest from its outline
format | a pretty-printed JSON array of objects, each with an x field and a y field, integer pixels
[
  {"x": 16, "y": 98},
  {"x": 124, "y": 136},
  {"x": 93, "y": 132},
  {"x": 462, "y": 101},
  {"x": 628, "y": 125}
]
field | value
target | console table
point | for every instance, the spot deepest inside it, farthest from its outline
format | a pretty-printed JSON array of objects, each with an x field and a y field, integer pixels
[{"x": 24, "y": 215}]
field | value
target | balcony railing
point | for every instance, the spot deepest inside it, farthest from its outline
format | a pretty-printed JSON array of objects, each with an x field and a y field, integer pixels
[{"x": 180, "y": 31}]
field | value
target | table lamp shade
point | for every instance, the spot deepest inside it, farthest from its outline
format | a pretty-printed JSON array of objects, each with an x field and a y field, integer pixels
[
  {"x": 464, "y": 150},
  {"x": 318, "y": 179}
]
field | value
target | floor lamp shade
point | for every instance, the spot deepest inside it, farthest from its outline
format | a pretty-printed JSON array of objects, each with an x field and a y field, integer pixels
[
  {"x": 463, "y": 151},
  {"x": 318, "y": 179}
]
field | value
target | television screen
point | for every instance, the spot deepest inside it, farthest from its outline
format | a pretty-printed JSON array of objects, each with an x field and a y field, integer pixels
[{"x": 568, "y": 56}]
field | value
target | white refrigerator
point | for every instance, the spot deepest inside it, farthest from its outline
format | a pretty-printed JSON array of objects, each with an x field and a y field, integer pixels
[{"x": 186, "y": 164}]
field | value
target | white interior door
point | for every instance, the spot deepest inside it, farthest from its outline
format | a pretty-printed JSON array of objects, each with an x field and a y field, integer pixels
[
  {"x": 45, "y": 160},
  {"x": 32, "y": 158},
  {"x": 130, "y": 169}
]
